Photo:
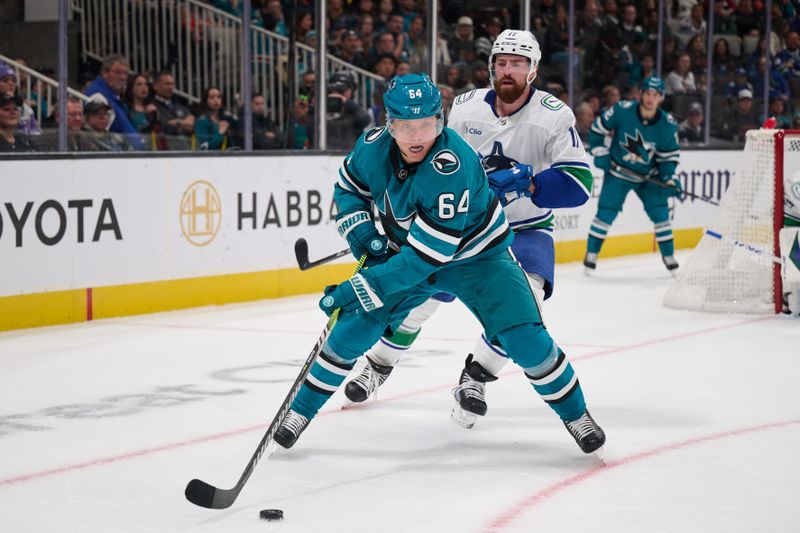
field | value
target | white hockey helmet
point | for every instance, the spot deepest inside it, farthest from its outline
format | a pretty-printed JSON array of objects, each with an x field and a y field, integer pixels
[{"x": 520, "y": 43}]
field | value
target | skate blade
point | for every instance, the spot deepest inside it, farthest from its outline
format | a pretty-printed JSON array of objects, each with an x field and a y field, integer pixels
[
  {"x": 587, "y": 271},
  {"x": 463, "y": 418},
  {"x": 601, "y": 455}
]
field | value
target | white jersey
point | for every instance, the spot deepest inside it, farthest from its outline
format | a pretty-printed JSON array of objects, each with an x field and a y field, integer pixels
[
  {"x": 791, "y": 199},
  {"x": 541, "y": 134}
]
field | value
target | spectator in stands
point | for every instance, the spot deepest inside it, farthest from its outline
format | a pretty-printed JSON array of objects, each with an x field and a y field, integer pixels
[
  {"x": 593, "y": 99},
  {"x": 386, "y": 66},
  {"x": 266, "y": 134},
  {"x": 681, "y": 79},
  {"x": 366, "y": 29},
  {"x": 75, "y": 141},
  {"x": 139, "y": 106},
  {"x": 395, "y": 27},
  {"x": 629, "y": 28},
  {"x": 796, "y": 120},
  {"x": 777, "y": 109},
  {"x": 418, "y": 45},
  {"x": 174, "y": 119},
  {"x": 610, "y": 17},
  {"x": 583, "y": 120},
  {"x": 738, "y": 84},
  {"x": 10, "y": 140},
  {"x": 336, "y": 19},
  {"x": 696, "y": 49},
  {"x": 384, "y": 44},
  {"x": 692, "y": 26},
  {"x": 272, "y": 17},
  {"x": 376, "y": 110},
  {"x": 670, "y": 53},
  {"x": 300, "y": 134},
  {"x": 352, "y": 16},
  {"x": 408, "y": 10},
  {"x": 352, "y": 50},
  {"x": 610, "y": 97},
  {"x": 480, "y": 74},
  {"x": 448, "y": 96},
  {"x": 462, "y": 44},
  {"x": 778, "y": 86},
  {"x": 214, "y": 126},
  {"x": 634, "y": 92},
  {"x": 748, "y": 22},
  {"x": 385, "y": 10},
  {"x": 26, "y": 122},
  {"x": 587, "y": 33},
  {"x": 724, "y": 23},
  {"x": 96, "y": 128},
  {"x": 723, "y": 63},
  {"x": 556, "y": 37},
  {"x": 691, "y": 130},
  {"x": 308, "y": 82},
  {"x": 32, "y": 98},
  {"x": 788, "y": 60},
  {"x": 110, "y": 85},
  {"x": 304, "y": 24},
  {"x": 403, "y": 67},
  {"x": 739, "y": 118},
  {"x": 346, "y": 120},
  {"x": 483, "y": 44}
]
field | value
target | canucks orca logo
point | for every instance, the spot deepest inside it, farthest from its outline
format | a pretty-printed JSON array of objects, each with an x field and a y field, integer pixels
[
  {"x": 638, "y": 150},
  {"x": 497, "y": 160},
  {"x": 373, "y": 134},
  {"x": 794, "y": 252},
  {"x": 445, "y": 162},
  {"x": 461, "y": 98}
]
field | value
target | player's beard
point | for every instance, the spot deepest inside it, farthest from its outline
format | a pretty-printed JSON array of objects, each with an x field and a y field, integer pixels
[{"x": 508, "y": 93}]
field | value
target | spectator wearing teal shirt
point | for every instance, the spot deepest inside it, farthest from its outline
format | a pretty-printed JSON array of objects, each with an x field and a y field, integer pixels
[{"x": 214, "y": 125}]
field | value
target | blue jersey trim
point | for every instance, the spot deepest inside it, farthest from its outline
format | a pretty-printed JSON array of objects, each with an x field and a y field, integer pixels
[{"x": 491, "y": 98}]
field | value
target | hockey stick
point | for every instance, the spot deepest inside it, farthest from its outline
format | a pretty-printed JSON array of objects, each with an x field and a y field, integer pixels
[
  {"x": 301, "y": 253},
  {"x": 748, "y": 247},
  {"x": 205, "y": 495},
  {"x": 662, "y": 184}
]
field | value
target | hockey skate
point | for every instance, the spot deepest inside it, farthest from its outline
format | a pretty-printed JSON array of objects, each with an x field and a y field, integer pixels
[
  {"x": 586, "y": 433},
  {"x": 366, "y": 384},
  {"x": 671, "y": 263},
  {"x": 589, "y": 262},
  {"x": 470, "y": 394},
  {"x": 290, "y": 429}
]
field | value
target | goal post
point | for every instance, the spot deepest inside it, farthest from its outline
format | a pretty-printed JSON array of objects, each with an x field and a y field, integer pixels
[{"x": 734, "y": 267}]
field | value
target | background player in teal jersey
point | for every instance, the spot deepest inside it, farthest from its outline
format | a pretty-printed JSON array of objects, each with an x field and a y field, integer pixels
[
  {"x": 446, "y": 232},
  {"x": 636, "y": 144}
]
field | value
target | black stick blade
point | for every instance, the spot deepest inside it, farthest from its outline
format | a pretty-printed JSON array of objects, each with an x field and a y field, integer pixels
[
  {"x": 301, "y": 253},
  {"x": 202, "y": 494}
]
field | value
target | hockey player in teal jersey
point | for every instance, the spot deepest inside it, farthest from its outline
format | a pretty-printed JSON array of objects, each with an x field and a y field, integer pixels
[
  {"x": 445, "y": 231},
  {"x": 636, "y": 145}
]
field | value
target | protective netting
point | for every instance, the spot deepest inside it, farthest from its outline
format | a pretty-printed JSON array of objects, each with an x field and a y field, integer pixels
[{"x": 724, "y": 276}]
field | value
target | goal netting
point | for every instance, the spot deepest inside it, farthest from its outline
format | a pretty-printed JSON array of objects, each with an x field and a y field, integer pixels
[{"x": 732, "y": 269}]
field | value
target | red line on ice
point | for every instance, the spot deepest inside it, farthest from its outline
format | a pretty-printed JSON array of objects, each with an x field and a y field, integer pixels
[
  {"x": 507, "y": 517},
  {"x": 418, "y": 392}
]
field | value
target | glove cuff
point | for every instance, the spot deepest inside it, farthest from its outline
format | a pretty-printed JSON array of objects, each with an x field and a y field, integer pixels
[
  {"x": 366, "y": 295},
  {"x": 348, "y": 222}
]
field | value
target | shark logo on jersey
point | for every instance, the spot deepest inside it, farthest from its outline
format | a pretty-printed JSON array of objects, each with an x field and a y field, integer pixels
[
  {"x": 497, "y": 160},
  {"x": 395, "y": 228},
  {"x": 445, "y": 162},
  {"x": 373, "y": 134},
  {"x": 639, "y": 151}
]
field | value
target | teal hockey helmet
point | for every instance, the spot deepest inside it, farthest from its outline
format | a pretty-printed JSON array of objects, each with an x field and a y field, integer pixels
[
  {"x": 653, "y": 83},
  {"x": 412, "y": 97}
]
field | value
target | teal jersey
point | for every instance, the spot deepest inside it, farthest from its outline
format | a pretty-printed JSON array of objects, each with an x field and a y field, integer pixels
[
  {"x": 436, "y": 213},
  {"x": 638, "y": 148}
]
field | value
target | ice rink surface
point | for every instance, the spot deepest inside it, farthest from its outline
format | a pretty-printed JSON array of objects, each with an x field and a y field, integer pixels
[{"x": 102, "y": 424}]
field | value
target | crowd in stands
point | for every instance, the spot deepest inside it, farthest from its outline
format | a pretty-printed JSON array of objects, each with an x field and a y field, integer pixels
[{"x": 615, "y": 48}]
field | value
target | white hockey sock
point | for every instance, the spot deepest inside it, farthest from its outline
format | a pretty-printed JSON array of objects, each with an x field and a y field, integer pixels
[
  {"x": 389, "y": 350},
  {"x": 492, "y": 358}
]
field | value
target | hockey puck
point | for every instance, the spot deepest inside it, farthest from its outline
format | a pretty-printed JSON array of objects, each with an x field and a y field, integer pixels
[{"x": 271, "y": 514}]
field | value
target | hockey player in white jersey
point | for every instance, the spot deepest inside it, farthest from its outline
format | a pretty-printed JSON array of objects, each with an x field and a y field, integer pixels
[{"x": 535, "y": 161}]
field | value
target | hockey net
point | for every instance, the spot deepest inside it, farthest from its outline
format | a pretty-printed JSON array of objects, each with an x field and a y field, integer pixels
[{"x": 736, "y": 271}]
